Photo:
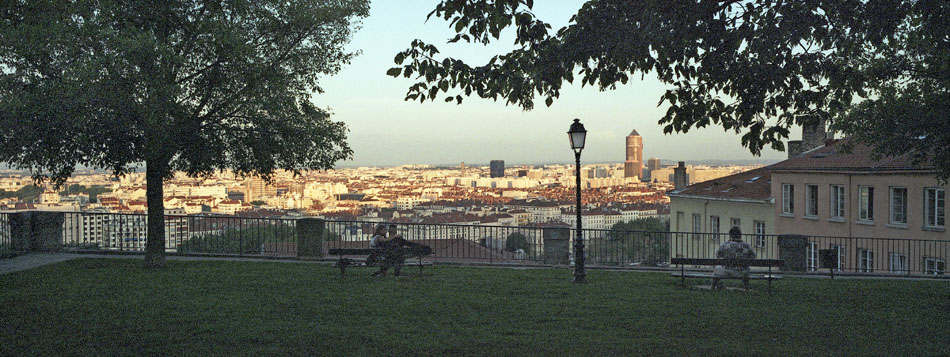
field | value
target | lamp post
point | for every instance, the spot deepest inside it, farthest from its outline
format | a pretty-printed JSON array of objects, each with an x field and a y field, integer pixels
[{"x": 577, "y": 134}]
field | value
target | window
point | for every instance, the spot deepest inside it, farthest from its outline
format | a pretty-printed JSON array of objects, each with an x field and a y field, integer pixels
[
  {"x": 697, "y": 225},
  {"x": 840, "y": 251},
  {"x": 811, "y": 200},
  {"x": 735, "y": 222},
  {"x": 865, "y": 260},
  {"x": 898, "y": 263},
  {"x": 788, "y": 195},
  {"x": 899, "y": 205},
  {"x": 812, "y": 252},
  {"x": 866, "y": 203},
  {"x": 934, "y": 202},
  {"x": 837, "y": 201},
  {"x": 759, "y": 234},
  {"x": 714, "y": 226},
  {"x": 935, "y": 266}
]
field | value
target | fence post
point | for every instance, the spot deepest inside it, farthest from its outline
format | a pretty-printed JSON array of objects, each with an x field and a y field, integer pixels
[
  {"x": 36, "y": 231},
  {"x": 792, "y": 249},
  {"x": 556, "y": 245},
  {"x": 310, "y": 237}
]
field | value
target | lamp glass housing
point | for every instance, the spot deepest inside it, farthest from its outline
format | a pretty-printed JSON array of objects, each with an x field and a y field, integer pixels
[{"x": 577, "y": 134}]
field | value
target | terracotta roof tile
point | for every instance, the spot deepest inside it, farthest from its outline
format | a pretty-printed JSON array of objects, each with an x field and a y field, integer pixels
[
  {"x": 749, "y": 185},
  {"x": 834, "y": 157}
]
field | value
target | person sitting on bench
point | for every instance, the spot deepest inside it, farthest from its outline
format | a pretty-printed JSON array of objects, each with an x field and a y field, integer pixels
[
  {"x": 379, "y": 239},
  {"x": 392, "y": 254},
  {"x": 733, "y": 250}
]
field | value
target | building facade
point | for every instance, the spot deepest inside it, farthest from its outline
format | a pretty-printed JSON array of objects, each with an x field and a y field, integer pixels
[
  {"x": 885, "y": 215},
  {"x": 702, "y": 214},
  {"x": 497, "y": 168}
]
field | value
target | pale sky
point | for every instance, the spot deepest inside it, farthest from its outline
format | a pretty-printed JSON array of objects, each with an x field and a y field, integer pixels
[{"x": 387, "y": 131}]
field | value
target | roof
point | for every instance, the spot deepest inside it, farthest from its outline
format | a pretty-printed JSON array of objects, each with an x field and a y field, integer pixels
[
  {"x": 748, "y": 185},
  {"x": 634, "y": 133},
  {"x": 835, "y": 157}
]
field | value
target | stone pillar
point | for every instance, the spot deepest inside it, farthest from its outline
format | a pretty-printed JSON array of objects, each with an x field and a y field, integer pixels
[
  {"x": 310, "y": 237},
  {"x": 35, "y": 231},
  {"x": 793, "y": 249},
  {"x": 557, "y": 247}
]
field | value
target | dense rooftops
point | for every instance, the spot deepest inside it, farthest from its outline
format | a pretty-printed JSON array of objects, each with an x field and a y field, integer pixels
[
  {"x": 749, "y": 185},
  {"x": 835, "y": 156}
]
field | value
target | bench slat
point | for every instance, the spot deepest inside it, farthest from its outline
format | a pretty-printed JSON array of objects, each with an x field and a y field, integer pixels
[
  {"x": 711, "y": 261},
  {"x": 352, "y": 251},
  {"x": 710, "y": 276}
]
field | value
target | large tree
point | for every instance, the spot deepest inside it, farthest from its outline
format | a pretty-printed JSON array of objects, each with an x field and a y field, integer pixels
[
  {"x": 755, "y": 67},
  {"x": 177, "y": 85}
]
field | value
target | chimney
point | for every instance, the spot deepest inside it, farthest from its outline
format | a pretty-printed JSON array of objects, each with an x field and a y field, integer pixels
[
  {"x": 813, "y": 135},
  {"x": 680, "y": 179},
  {"x": 794, "y": 148}
]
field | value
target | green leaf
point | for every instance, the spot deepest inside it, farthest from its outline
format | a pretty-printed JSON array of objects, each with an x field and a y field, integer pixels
[{"x": 394, "y": 72}]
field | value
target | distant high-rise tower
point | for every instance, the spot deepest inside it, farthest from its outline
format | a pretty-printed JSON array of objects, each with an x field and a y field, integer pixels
[
  {"x": 462, "y": 171},
  {"x": 653, "y": 164},
  {"x": 255, "y": 189},
  {"x": 497, "y": 168},
  {"x": 633, "y": 166}
]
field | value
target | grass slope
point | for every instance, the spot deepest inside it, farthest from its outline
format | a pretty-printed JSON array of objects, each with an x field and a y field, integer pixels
[{"x": 113, "y": 307}]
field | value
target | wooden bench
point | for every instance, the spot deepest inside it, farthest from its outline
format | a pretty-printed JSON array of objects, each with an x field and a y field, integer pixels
[
  {"x": 683, "y": 262},
  {"x": 344, "y": 262}
]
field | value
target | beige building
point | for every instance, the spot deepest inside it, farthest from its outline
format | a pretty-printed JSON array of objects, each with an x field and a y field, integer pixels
[
  {"x": 885, "y": 215},
  {"x": 702, "y": 214}
]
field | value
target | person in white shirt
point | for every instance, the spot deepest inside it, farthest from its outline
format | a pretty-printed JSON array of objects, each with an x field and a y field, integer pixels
[{"x": 733, "y": 250}]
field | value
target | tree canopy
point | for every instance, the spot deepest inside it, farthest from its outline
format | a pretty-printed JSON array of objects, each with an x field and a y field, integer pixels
[
  {"x": 179, "y": 85},
  {"x": 515, "y": 241},
  {"x": 877, "y": 69},
  {"x": 622, "y": 230},
  {"x": 644, "y": 240}
]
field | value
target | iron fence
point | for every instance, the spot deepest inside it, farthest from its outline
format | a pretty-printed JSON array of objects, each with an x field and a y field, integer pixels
[
  {"x": 6, "y": 242},
  {"x": 518, "y": 245},
  {"x": 450, "y": 242},
  {"x": 896, "y": 256},
  {"x": 192, "y": 234}
]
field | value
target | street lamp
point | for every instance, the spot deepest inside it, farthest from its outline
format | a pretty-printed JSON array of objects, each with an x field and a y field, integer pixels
[{"x": 578, "y": 134}]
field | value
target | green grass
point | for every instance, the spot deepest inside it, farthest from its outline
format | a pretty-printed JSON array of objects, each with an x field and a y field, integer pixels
[{"x": 114, "y": 307}]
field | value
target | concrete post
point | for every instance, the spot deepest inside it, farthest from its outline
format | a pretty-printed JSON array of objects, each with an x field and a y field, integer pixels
[
  {"x": 792, "y": 249},
  {"x": 35, "y": 231},
  {"x": 556, "y": 245},
  {"x": 310, "y": 237}
]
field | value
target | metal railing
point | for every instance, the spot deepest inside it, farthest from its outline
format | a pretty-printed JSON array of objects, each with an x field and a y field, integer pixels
[
  {"x": 861, "y": 255},
  {"x": 6, "y": 241},
  {"x": 183, "y": 234},
  {"x": 242, "y": 236},
  {"x": 450, "y": 242}
]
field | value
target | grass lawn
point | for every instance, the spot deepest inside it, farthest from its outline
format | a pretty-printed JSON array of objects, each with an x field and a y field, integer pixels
[{"x": 114, "y": 307}]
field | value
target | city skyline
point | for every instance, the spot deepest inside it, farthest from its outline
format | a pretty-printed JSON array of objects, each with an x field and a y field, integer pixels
[{"x": 387, "y": 131}]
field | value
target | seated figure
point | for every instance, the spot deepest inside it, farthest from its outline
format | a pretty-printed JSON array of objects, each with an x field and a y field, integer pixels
[
  {"x": 733, "y": 250},
  {"x": 378, "y": 241},
  {"x": 392, "y": 253}
]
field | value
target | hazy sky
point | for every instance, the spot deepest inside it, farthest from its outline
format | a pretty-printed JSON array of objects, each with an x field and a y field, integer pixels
[{"x": 385, "y": 130}]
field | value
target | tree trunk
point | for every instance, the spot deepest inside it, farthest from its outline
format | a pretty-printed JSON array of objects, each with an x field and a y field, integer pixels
[{"x": 155, "y": 238}]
